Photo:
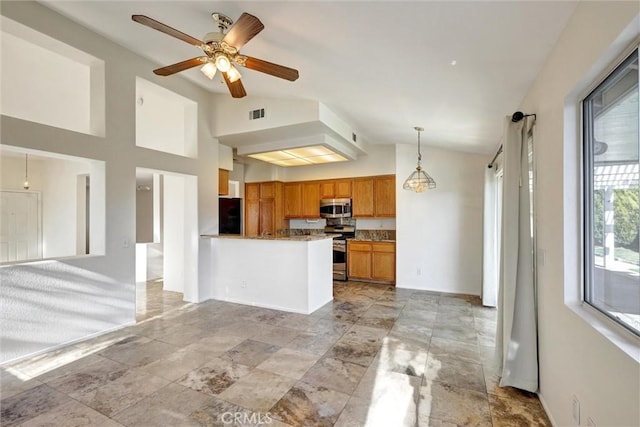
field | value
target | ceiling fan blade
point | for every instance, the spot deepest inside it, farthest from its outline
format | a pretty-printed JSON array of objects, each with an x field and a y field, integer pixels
[
  {"x": 271, "y": 68},
  {"x": 145, "y": 20},
  {"x": 243, "y": 30},
  {"x": 236, "y": 88},
  {"x": 180, "y": 66}
]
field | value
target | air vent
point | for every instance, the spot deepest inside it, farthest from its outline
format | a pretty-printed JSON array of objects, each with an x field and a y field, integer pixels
[{"x": 256, "y": 114}]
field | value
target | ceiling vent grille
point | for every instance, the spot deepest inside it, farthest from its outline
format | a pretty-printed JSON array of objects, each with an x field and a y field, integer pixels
[{"x": 256, "y": 114}]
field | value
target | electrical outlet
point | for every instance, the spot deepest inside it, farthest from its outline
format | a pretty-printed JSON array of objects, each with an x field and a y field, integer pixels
[
  {"x": 243, "y": 284},
  {"x": 575, "y": 410},
  {"x": 419, "y": 271}
]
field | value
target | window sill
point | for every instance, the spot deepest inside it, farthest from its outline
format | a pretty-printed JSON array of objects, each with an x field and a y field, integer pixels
[{"x": 625, "y": 340}]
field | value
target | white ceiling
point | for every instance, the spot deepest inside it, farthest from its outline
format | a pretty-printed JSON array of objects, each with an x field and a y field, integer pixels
[{"x": 384, "y": 66}]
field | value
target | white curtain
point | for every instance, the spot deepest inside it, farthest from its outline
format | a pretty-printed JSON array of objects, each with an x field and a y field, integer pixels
[
  {"x": 516, "y": 340},
  {"x": 491, "y": 233}
]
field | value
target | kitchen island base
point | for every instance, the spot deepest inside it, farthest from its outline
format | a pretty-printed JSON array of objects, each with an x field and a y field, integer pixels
[{"x": 287, "y": 274}]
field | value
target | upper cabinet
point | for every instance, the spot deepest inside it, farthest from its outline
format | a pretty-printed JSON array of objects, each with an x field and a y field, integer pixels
[
  {"x": 362, "y": 197},
  {"x": 374, "y": 197},
  {"x": 310, "y": 200},
  {"x": 223, "y": 182},
  {"x": 336, "y": 189},
  {"x": 302, "y": 199},
  {"x": 292, "y": 200},
  {"x": 384, "y": 188}
]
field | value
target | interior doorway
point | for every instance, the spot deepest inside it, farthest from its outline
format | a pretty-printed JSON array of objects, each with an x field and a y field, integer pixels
[{"x": 166, "y": 227}]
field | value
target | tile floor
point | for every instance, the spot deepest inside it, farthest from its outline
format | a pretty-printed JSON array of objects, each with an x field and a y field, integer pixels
[{"x": 375, "y": 356}]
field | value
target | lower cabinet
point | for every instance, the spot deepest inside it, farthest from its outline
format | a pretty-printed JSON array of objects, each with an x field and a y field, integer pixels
[{"x": 371, "y": 260}]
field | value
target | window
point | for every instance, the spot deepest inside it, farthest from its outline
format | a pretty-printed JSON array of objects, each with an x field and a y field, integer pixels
[{"x": 611, "y": 118}]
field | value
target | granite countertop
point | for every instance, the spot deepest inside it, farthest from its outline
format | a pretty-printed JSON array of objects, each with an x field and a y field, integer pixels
[
  {"x": 302, "y": 238},
  {"x": 371, "y": 240}
]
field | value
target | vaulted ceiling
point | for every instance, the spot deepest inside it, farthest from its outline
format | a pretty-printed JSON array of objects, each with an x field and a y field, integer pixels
[{"x": 383, "y": 66}]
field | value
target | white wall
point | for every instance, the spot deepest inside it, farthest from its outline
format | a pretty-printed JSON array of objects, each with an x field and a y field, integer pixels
[
  {"x": 12, "y": 172},
  {"x": 144, "y": 214},
  {"x": 232, "y": 115},
  {"x": 57, "y": 181},
  {"x": 71, "y": 75},
  {"x": 439, "y": 232},
  {"x": 165, "y": 121},
  {"x": 575, "y": 358},
  {"x": 45, "y": 304},
  {"x": 60, "y": 206}
]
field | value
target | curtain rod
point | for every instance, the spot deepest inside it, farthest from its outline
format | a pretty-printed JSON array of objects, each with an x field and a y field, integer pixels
[
  {"x": 516, "y": 117},
  {"x": 495, "y": 157}
]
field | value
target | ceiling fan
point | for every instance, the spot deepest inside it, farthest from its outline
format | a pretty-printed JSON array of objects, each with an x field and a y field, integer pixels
[{"x": 222, "y": 51}]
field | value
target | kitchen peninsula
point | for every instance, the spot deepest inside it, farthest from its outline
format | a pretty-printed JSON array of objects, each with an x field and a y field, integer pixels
[{"x": 288, "y": 273}]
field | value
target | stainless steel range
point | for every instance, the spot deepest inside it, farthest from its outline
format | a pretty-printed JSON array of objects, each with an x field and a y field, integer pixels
[{"x": 345, "y": 228}]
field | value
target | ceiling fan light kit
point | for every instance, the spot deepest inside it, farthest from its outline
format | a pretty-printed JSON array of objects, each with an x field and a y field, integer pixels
[
  {"x": 222, "y": 51},
  {"x": 419, "y": 180}
]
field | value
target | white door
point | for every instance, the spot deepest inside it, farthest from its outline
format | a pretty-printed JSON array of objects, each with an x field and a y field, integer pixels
[{"x": 20, "y": 236}]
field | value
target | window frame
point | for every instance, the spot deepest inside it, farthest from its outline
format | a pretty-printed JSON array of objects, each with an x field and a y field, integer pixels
[{"x": 587, "y": 190}]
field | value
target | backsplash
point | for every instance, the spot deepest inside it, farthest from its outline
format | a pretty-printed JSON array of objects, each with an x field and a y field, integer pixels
[
  {"x": 299, "y": 231},
  {"x": 375, "y": 234}
]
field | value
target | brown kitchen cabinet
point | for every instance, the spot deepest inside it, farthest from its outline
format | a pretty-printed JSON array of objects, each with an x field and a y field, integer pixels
[
  {"x": 263, "y": 208},
  {"x": 362, "y": 197},
  {"x": 369, "y": 260},
  {"x": 302, "y": 199},
  {"x": 383, "y": 256},
  {"x": 310, "y": 200},
  {"x": 292, "y": 199},
  {"x": 374, "y": 196},
  {"x": 384, "y": 188},
  {"x": 359, "y": 260},
  {"x": 223, "y": 182},
  {"x": 335, "y": 189}
]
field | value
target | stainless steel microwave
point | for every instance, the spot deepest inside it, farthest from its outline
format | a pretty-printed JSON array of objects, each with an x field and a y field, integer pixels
[{"x": 335, "y": 208}]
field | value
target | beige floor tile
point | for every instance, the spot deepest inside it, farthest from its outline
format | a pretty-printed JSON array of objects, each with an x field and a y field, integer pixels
[
  {"x": 289, "y": 363},
  {"x": 169, "y": 406},
  {"x": 453, "y": 405},
  {"x": 308, "y": 405},
  {"x": 71, "y": 413},
  {"x": 259, "y": 390}
]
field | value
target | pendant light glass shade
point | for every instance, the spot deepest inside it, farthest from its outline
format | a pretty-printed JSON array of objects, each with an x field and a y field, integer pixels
[{"x": 419, "y": 180}]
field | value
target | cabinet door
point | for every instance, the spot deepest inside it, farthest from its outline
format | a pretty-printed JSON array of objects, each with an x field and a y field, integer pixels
[
  {"x": 384, "y": 262},
  {"x": 362, "y": 197},
  {"x": 267, "y": 190},
  {"x": 385, "y": 196},
  {"x": 359, "y": 260},
  {"x": 267, "y": 217},
  {"x": 252, "y": 191},
  {"x": 223, "y": 182},
  {"x": 292, "y": 200},
  {"x": 342, "y": 188},
  {"x": 310, "y": 200},
  {"x": 359, "y": 265},
  {"x": 327, "y": 190},
  {"x": 251, "y": 217}
]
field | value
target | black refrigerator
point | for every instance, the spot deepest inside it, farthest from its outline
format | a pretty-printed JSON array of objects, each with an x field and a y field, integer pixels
[{"x": 230, "y": 215}]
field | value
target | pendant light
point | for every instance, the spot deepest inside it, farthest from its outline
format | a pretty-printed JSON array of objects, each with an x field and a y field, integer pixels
[
  {"x": 419, "y": 180},
  {"x": 26, "y": 172}
]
